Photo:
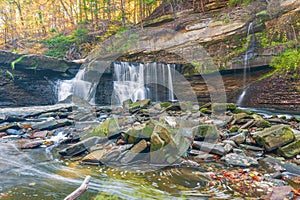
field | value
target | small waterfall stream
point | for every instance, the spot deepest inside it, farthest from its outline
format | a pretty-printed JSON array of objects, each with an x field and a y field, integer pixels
[{"x": 248, "y": 55}]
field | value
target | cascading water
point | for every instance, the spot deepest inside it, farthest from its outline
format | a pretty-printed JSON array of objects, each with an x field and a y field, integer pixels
[
  {"x": 140, "y": 81},
  {"x": 249, "y": 50},
  {"x": 77, "y": 86}
]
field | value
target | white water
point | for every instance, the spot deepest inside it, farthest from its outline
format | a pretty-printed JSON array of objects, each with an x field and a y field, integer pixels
[
  {"x": 241, "y": 97},
  {"x": 77, "y": 86},
  {"x": 133, "y": 81},
  {"x": 140, "y": 81}
]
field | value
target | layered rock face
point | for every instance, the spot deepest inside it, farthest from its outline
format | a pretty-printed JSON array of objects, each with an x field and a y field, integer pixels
[{"x": 27, "y": 80}]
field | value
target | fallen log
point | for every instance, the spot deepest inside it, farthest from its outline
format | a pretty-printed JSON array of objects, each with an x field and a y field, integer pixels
[{"x": 80, "y": 190}]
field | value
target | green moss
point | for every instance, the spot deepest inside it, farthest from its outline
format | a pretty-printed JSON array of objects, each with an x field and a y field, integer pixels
[
  {"x": 165, "y": 104},
  {"x": 16, "y": 61},
  {"x": 233, "y": 128}
]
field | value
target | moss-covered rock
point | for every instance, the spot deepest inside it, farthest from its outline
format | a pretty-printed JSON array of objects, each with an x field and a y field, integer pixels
[
  {"x": 260, "y": 122},
  {"x": 274, "y": 137},
  {"x": 290, "y": 150},
  {"x": 205, "y": 111},
  {"x": 207, "y": 132},
  {"x": 218, "y": 107},
  {"x": 233, "y": 128},
  {"x": 108, "y": 128}
]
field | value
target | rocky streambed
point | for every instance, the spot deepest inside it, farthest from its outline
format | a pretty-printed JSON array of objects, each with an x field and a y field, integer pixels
[{"x": 146, "y": 150}]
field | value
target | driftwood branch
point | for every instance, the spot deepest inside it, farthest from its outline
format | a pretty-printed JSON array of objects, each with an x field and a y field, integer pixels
[{"x": 83, "y": 187}]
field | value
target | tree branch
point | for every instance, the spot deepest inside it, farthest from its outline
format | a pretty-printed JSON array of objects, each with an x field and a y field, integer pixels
[{"x": 81, "y": 189}]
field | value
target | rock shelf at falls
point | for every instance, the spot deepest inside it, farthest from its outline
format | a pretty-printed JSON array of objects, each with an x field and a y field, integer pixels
[{"x": 237, "y": 152}]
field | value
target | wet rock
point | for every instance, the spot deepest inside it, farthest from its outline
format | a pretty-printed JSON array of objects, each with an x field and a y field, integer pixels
[
  {"x": 134, "y": 151},
  {"x": 39, "y": 134},
  {"x": 248, "y": 124},
  {"x": 228, "y": 148},
  {"x": 114, "y": 154},
  {"x": 10, "y": 126},
  {"x": 282, "y": 192},
  {"x": 233, "y": 128},
  {"x": 240, "y": 118},
  {"x": 232, "y": 143},
  {"x": 134, "y": 134},
  {"x": 13, "y": 132},
  {"x": 239, "y": 138},
  {"x": 174, "y": 107},
  {"x": 138, "y": 105},
  {"x": 82, "y": 146},
  {"x": 108, "y": 128},
  {"x": 239, "y": 160},
  {"x": 290, "y": 150},
  {"x": 278, "y": 165},
  {"x": 209, "y": 147},
  {"x": 31, "y": 144},
  {"x": 126, "y": 104},
  {"x": 14, "y": 119},
  {"x": 204, "y": 157},
  {"x": 165, "y": 134},
  {"x": 138, "y": 132},
  {"x": 94, "y": 157},
  {"x": 253, "y": 148},
  {"x": 260, "y": 122},
  {"x": 274, "y": 137},
  {"x": 2, "y": 134},
  {"x": 156, "y": 144},
  {"x": 51, "y": 124},
  {"x": 206, "y": 132},
  {"x": 219, "y": 107}
]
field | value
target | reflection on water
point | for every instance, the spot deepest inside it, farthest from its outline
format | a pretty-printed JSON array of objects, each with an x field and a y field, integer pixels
[{"x": 33, "y": 174}]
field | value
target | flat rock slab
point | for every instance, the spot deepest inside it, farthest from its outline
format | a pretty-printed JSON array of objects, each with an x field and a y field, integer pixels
[
  {"x": 274, "y": 137},
  {"x": 209, "y": 147},
  {"x": 239, "y": 160},
  {"x": 33, "y": 110},
  {"x": 282, "y": 192},
  {"x": 82, "y": 146}
]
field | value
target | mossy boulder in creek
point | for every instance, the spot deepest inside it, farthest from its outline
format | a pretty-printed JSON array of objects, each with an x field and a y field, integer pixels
[
  {"x": 290, "y": 150},
  {"x": 218, "y": 107},
  {"x": 140, "y": 104},
  {"x": 260, "y": 122},
  {"x": 274, "y": 137},
  {"x": 142, "y": 131},
  {"x": 108, "y": 128},
  {"x": 208, "y": 132}
]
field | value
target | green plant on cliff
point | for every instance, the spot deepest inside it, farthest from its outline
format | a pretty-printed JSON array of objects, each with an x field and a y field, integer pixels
[
  {"x": 288, "y": 62},
  {"x": 59, "y": 44}
]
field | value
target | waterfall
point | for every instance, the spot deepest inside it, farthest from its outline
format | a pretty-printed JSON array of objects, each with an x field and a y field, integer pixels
[
  {"x": 133, "y": 81},
  {"x": 138, "y": 81},
  {"x": 247, "y": 56},
  {"x": 78, "y": 87}
]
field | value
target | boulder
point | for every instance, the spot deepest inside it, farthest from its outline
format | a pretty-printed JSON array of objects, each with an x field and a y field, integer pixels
[
  {"x": 209, "y": 147},
  {"x": 140, "y": 104},
  {"x": 133, "y": 152},
  {"x": 207, "y": 132},
  {"x": 32, "y": 144},
  {"x": 239, "y": 160},
  {"x": 82, "y": 146},
  {"x": 260, "y": 122},
  {"x": 156, "y": 154},
  {"x": 274, "y": 137},
  {"x": 51, "y": 124},
  {"x": 219, "y": 107},
  {"x": 108, "y": 128},
  {"x": 239, "y": 138},
  {"x": 290, "y": 150}
]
